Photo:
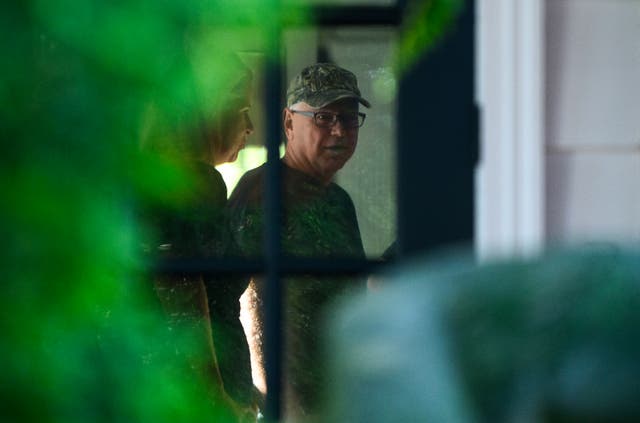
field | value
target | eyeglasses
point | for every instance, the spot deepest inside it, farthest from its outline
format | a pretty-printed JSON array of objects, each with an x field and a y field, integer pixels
[{"x": 328, "y": 119}]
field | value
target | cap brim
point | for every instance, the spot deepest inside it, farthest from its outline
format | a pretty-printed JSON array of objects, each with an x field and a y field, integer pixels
[{"x": 327, "y": 97}]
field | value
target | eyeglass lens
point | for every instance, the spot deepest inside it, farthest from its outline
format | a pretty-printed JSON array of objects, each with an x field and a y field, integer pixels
[{"x": 349, "y": 120}]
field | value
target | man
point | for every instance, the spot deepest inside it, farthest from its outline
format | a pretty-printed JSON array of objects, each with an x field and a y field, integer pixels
[{"x": 321, "y": 123}]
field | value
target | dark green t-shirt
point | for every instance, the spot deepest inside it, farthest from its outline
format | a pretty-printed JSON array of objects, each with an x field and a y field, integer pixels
[{"x": 318, "y": 221}]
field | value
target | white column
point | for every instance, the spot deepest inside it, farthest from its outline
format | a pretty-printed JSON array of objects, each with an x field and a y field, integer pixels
[{"x": 510, "y": 81}]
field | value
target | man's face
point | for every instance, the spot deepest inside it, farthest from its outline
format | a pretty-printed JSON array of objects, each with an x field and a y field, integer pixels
[{"x": 319, "y": 151}]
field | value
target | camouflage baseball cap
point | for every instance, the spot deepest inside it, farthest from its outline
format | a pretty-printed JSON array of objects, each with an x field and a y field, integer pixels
[{"x": 323, "y": 83}]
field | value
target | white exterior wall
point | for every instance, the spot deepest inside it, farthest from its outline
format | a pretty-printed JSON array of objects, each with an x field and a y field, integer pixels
[
  {"x": 593, "y": 120},
  {"x": 560, "y": 149}
]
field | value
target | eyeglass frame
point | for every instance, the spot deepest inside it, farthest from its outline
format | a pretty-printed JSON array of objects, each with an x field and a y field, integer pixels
[{"x": 336, "y": 117}]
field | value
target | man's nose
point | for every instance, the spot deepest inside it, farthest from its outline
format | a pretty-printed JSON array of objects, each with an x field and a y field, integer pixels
[{"x": 338, "y": 128}]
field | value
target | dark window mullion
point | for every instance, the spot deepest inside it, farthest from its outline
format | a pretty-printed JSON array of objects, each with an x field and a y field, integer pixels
[
  {"x": 357, "y": 15},
  {"x": 287, "y": 266},
  {"x": 273, "y": 205}
]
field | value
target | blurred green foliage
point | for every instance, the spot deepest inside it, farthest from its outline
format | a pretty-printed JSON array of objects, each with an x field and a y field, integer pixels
[
  {"x": 426, "y": 23},
  {"x": 81, "y": 337},
  {"x": 552, "y": 339}
]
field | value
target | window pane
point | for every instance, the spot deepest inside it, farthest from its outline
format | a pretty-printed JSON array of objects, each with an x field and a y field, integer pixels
[
  {"x": 369, "y": 177},
  {"x": 319, "y": 219}
]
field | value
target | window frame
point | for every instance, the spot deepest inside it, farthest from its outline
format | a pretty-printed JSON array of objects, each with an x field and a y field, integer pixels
[{"x": 274, "y": 265}]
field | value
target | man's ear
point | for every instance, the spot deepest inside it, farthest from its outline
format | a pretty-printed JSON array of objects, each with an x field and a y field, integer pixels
[{"x": 287, "y": 123}]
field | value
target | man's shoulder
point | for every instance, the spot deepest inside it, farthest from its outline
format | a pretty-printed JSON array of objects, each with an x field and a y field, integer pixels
[
  {"x": 249, "y": 188},
  {"x": 340, "y": 193},
  {"x": 338, "y": 189},
  {"x": 252, "y": 177}
]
